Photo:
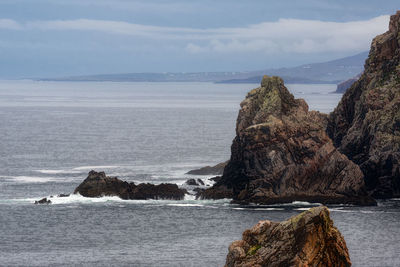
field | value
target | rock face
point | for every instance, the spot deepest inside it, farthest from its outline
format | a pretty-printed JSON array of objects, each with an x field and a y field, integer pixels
[
  {"x": 343, "y": 86},
  {"x": 308, "y": 239},
  {"x": 366, "y": 124},
  {"x": 282, "y": 153},
  {"x": 209, "y": 170},
  {"x": 97, "y": 184}
]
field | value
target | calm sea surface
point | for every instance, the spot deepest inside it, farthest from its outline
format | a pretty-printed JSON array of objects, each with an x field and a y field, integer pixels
[{"x": 53, "y": 133}]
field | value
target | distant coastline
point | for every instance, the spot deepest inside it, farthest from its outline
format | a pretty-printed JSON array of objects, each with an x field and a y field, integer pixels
[{"x": 331, "y": 72}]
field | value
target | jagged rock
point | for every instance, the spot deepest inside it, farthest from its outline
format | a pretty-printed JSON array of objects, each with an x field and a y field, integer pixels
[
  {"x": 308, "y": 239},
  {"x": 343, "y": 86},
  {"x": 97, "y": 184},
  {"x": 208, "y": 170},
  {"x": 366, "y": 124},
  {"x": 192, "y": 182},
  {"x": 63, "y": 195},
  {"x": 282, "y": 153},
  {"x": 43, "y": 201}
]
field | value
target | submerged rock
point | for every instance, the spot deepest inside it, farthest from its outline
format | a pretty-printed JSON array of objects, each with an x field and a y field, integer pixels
[
  {"x": 97, "y": 184},
  {"x": 308, "y": 239},
  {"x": 282, "y": 153},
  {"x": 43, "y": 201},
  {"x": 366, "y": 124},
  {"x": 209, "y": 170}
]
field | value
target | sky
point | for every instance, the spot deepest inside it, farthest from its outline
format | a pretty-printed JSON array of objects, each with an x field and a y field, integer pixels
[{"x": 56, "y": 38}]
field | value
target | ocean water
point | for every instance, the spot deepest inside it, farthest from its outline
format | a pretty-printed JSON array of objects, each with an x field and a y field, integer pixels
[{"x": 53, "y": 133}]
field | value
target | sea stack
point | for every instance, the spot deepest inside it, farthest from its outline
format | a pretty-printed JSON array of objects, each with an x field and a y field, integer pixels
[
  {"x": 281, "y": 153},
  {"x": 365, "y": 126},
  {"x": 308, "y": 239}
]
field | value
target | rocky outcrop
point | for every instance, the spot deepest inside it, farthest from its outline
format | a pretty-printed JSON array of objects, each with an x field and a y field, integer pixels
[
  {"x": 343, "y": 86},
  {"x": 308, "y": 239},
  {"x": 282, "y": 153},
  {"x": 209, "y": 170},
  {"x": 43, "y": 201},
  {"x": 193, "y": 182},
  {"x": 366, "y": 124},
  {"x": 97, "y": 184}
]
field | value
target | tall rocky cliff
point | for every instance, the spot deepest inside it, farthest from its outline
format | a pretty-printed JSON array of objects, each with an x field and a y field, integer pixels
[
  {"x": 282, "y": 153},
  {"x": 365, "y": 126}
]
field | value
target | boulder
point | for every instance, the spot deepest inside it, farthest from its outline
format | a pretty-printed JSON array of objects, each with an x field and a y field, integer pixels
[
  {"x": 282, "y": 153},
  {"x": 97, "y": 184},
  {"x": 209, "y": 170},
  {"x": 308, "y": 239},
  {"x": 43, "y": 201},
  {"x": 192, "y": 182},
  {"x": 365, "y": 125}
]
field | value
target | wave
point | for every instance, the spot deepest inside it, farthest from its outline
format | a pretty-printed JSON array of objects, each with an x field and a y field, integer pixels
[
  {"x": 45, "y": 171},
  {"x": 79, "y": 199},
  {"x": 97, "y": 167},
  {"x": 268, "y": 209},
  {"x": 31, "y": 179}
]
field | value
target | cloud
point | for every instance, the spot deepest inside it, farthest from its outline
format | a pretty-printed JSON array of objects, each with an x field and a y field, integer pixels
[
  {"x": 9, "y": 24},
  {"x": 295, "y": 36},
  {"x": 284, "y": 35}
]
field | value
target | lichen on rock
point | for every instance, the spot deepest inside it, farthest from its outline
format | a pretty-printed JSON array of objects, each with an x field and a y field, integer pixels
[
  {"x": 307, "y": 239},
  {"x": 282, "y": 153}
]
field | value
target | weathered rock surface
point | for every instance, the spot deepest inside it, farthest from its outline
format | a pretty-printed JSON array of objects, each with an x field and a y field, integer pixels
[
  {"x": 343, "y": 86},
  {"x": 366, "y": 124},
  {"x": 210, "y": 170},
  {"x": 43, "y": 201},
  {"x": 282, "y": 153},
  {"x": 308, "y": 239},
  {"x": 194, "y": 182},
  {"x": 97, "y": 184}
]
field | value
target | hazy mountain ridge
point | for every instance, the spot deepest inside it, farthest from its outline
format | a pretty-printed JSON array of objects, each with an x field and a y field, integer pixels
[{"x": 333, "y": 71}]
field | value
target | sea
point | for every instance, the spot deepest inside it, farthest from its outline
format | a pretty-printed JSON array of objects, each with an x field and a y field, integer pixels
[{"x": 53, "y": 133}]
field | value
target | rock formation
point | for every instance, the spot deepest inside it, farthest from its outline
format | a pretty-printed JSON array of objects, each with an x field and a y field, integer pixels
[
  {"x": 97, "y": 184},
  {"x": 343, "y": 86},
  {"x": 308, "y": 239},
  {"x": 193, "y": 182},
  {"x": 366, "y": 124},
  {"x": 43, "y": 201},
  {"x": 209, "y": 170},
  {"x": 282, "y": 153}
]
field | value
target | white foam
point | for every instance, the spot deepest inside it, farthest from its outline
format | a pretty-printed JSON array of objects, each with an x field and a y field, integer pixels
[
  {"x": 185, "y": 205},
  {"x": 304, "y": 203},
  {"x": 96, "y": 167},
  {"x": 30, "y": 179},
  {"x": 79, "y": 199},
  {"x": 189, "y": 197},
  {"x": 266, "y": 209},
  {"x": 58, "y": 171}
]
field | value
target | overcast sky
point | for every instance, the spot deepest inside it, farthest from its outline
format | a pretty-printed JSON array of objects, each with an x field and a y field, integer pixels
[{"x": 49, "y": 38}]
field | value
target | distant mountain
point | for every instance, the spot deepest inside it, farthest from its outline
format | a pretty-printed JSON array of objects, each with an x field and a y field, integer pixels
[{"x": 333, "y": 71}]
